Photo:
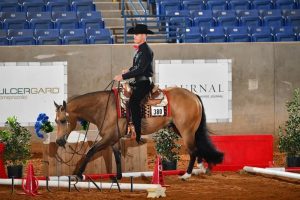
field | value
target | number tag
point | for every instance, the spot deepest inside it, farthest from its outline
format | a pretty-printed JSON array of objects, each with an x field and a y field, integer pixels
[{"x": 157, "y": 111}]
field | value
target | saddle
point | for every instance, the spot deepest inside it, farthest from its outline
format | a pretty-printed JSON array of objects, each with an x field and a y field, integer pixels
[
  {"x": 155, "y": 97},
  {"x": 155, "y": 104}
]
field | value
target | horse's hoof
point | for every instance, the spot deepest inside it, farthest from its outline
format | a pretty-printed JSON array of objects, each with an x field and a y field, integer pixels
[
  {"x": 141, "y": 141},
  {"x": 185, "y": 177},
  {"x": 201, "y": 168},
  {"x": 208, "y": 171},
  {"x": 79, "y": 177}
]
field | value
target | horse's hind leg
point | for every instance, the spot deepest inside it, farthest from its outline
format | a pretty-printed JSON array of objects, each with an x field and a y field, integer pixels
[
  {"x": 190, "y": 167},
  {"x": 117, "y": 154}
]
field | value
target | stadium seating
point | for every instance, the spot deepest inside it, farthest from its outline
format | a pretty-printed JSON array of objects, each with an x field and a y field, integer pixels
[
  {"x": 99, "y": 36},
  {"x": 192, "y": 35},
  {"x": 272, "y": 18},
  {"x": 9, "y": 6},
  {"x": 286, "y": 33},
  {"x": 47, "y": 37},
  {"x": 261, "y": 34},
  {"x": 285, "y": 4},
  {"x": 64, "y": 19},
  {"x": 57, "y": 5},
  {"x": 21, "y": 37},
  {"x": 238, "y": 34},
  {"x": 203, "y": 18},
  {"x": 82, "y": 5},
  {"x": 73, "y": 36},
  {"x": 33, "y": 6},
  {"x": 39, "y": 20},
  {"x": 14, "y": 20},
  {"x": 292, "y": 17},
  {"x": 214, "y": 34},
  {"x": 3, "y": 38},
  {"x": 249, "y": 18},
  {"x": 226, "y": 18},
  {"x": 193, "y": 5},
  {"x": 216, "y": 5},
  {"x": 90, "y": 20},
  {"x": 239, "y": 5},
  {"x": 262, "y": 4}
]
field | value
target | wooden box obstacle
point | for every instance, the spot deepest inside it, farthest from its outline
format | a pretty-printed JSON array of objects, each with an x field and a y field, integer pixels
[{"x": 59, "y": 161}]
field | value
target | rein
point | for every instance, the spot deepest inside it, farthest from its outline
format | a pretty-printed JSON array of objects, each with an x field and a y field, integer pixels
[{"x": 75, "y": 151}]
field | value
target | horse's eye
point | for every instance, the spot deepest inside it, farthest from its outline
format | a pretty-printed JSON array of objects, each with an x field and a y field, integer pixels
[{"x": 63, "y": 121}]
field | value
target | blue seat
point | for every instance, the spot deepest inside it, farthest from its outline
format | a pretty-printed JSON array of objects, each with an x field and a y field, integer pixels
[
  {"x": 9, "y": 6},
  {"x": 66, "y": 20},
  {"x": 238, "y": 34},
  {"x": 272, "y": 18},
  {"x": 203, "y": 18},
  {"x": 216, "y": 5},
  {"x": 99, "y": 36},
  {"x": 262, "y": 4},
  {"x": 249, "y": 18},
  {"x": 239, "y": 5},
  {"x": 226, "y": 18},
  {"x": 90, "y": 20},
  {"x": 82, "y": 5},
  {"x": 72, "y": 36},
  {"x": 193, "y": 5},
  {"x": 3, "y": 38},
  {"x": 169, "y": 5},
  {"x": 39, "y": 20},
  {"x": 292, "y": 17},
  {"x": 285, "y": 33},
  {"x": 33, "y": 6},
  {"x": 57, "y": 5},
  {"x": 47, "y": 37},
  {"x": 261, "y": 34},
  {"x": 192, "y": 35},
  {"x": 21, "y": 37},
  {"x": 14, "y": 20},
  {"x": 285, "y": 4},
  {"x": 214, "y": 34},
  {"x": 176, "y": 22}
]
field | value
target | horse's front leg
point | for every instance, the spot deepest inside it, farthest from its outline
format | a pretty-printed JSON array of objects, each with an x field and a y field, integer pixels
[
  {"x": 82, "y": 163},
  {"x": 118, "y": 159}
]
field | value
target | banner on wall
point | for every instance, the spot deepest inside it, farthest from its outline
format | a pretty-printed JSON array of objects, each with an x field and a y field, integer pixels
[
  {"x": 210, "y": 79},
  {"x": 29, "y": 88}
]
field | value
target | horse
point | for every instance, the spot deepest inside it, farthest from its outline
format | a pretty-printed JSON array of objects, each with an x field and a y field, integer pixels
[{"x": 187, "y": 117}]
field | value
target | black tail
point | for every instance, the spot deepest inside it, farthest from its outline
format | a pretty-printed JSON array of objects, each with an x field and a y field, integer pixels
[{"x": 204, "y": 145}]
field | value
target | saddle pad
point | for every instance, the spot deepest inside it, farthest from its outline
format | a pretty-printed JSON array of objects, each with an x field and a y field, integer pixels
[{"x": 160, "y": 110}]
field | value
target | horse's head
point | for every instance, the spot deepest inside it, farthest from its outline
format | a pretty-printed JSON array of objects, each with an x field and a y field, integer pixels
[{"x": 62, "y": 122}]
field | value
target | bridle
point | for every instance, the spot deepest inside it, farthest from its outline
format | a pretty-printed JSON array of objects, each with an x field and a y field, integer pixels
[{"x": 65, "y": 136}]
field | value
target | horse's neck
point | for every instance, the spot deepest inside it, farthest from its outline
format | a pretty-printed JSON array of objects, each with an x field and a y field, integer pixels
[{"x": 87, "y": 106}]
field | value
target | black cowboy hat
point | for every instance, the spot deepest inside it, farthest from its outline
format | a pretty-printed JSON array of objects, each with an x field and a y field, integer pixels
[{"x": 139, "y": 29}]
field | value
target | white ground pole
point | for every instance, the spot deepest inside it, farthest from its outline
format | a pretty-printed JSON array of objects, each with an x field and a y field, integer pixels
[
  {"x": 124, "y": 175},
  {"x": 271, "y": 172},
  {"x": 154, "y": 190}
]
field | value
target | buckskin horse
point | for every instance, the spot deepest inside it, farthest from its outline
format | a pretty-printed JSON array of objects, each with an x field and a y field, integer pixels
[{"x": 187, "y": 116}]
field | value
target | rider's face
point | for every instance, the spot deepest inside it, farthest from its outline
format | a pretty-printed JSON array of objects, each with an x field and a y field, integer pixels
[{"x": 139, "y": 38}]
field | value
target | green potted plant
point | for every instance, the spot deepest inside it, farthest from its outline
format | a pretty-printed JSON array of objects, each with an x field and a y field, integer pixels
[
  {"x": 289, "y": 136},
  {"x": 167, "y": 147},
  {"x": 17, "y": 146}
]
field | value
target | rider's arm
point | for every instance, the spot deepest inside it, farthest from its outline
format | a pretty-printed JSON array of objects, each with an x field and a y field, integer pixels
[{"x": 144, "y": 60}]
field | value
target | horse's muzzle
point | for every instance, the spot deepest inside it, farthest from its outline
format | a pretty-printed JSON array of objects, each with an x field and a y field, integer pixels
[{"x": 61, "y": 142}]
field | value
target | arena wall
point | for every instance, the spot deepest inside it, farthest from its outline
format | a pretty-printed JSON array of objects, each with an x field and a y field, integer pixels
[{"x": 264, "y": 74}]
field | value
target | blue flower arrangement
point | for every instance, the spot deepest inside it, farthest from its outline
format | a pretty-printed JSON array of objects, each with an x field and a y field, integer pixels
[
  {"x": 84, "y": 124},
  {"x": 42, "y": 125}
]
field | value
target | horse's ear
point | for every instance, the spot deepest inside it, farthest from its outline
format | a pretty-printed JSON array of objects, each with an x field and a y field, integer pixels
[
  {"x": 56, "y": 105},
  {"x": 65, "y": 105}
]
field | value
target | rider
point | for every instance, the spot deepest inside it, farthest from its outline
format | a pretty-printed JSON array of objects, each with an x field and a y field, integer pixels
[{"x": 141, "y": 71}]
